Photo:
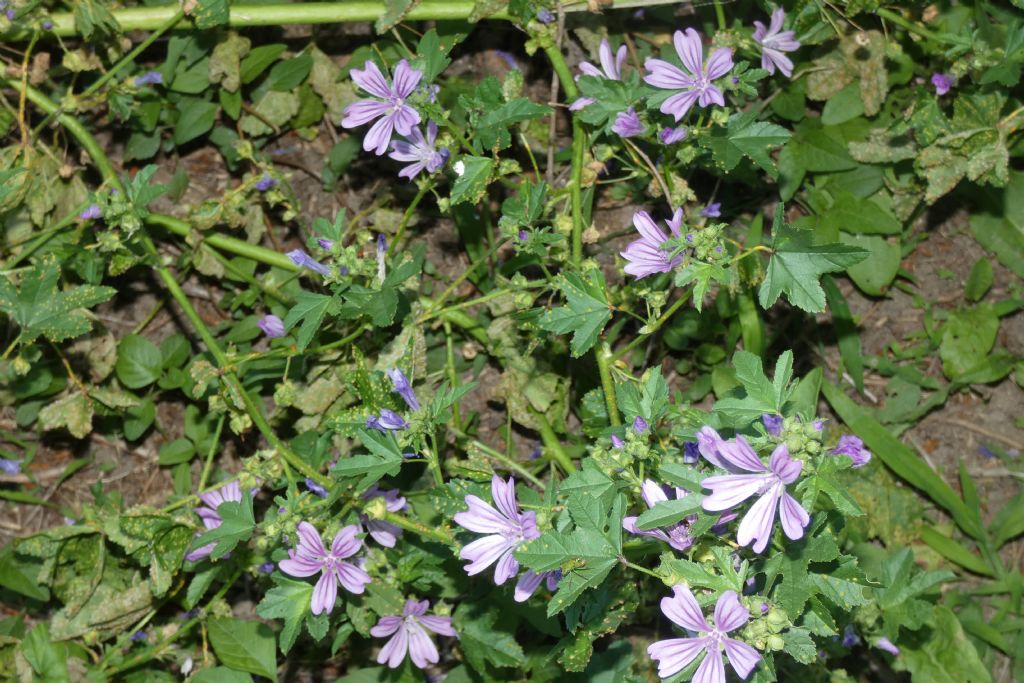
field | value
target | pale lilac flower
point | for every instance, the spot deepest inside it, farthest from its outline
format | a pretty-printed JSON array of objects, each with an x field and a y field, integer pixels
[
  {"x": 402, "y": 387},
  {"x": 530, "y": 581},
  {"x": 850, "y": 638},
  {"x": 394, "y": 113},
  {"x": 772, "y": 424},
  {"x": 10, "y": 14},
  {"x": 640, "y": 425},
  {"x": 47, "y": 25},
  {"x": 617, "y": 441},
  {"x": 628, "y": 124},
  {"x": 942, "y": 82},
  {"x": 508, "y": 58},
  {"x": 265, "y": 182},
  {"x": 266, "y": 567},
  {"x": 382, "y": 252},
  {"x": 271, "y": 325},
  {"x": 669, "y": 136},
  {"x": 316, "y": 488},
  {"x": 388, "y": 420},
  {"x": 310, "y": 557},
  {"x": 325, "y": 244},
  {"x": 818, "y": 425},
  {"x": 693, "y": 80},
  {"x": 544, "y": 16},
  {"x": 506, "y": 530},
  {"x": 92, "y": 212},
  {"x": 304, "y": 260},
  {"x": 887, "y": 645},
  {"x": 713, "y": 210},
  {"x": 677, "y": 535},
  {"x": 611, "y": 69},
  {"x": 709, "y": 443},
  {"x": 675, "y": 654},
  {"x": 10, "y": 467},
  {"x": 409, "y": 635},
  {"x": 767, "y": 483},
  {"x": 645, "y": 255},
  {"x": 691, "y": 453},
  {"x": 774, "y": 43},
  {"x": 421, "y": 151},
  {"x": 208, "y": 513},
  {"x": 852, "y": 446},
  {"x": 149, "y": 78},
  {"x": 381, "y": 531},
  {"x": 523, "y": 236}
]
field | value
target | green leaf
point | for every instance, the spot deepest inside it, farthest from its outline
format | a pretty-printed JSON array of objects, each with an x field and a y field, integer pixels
[
  {"x": 980, "y": 280},
  {"x": 211, "y": 13},
  {"x": 237, "y": 524},
  {"x": 20, "y": 576},
  {"x": 474, "y": 174},
  {"x": 874, "y": 274},
  {"x": 482, "y": 641},
  {"x": 745, "y": 136},
  {"x": 40, "y": 309},
  {"x": 702, "y": 274},
  {"x": 49, "y": 660},
  {"x": 289, "y": 73},
  {"x": 258, "y": 59},
  {"x": 385, "y": 459},
  {"x": 668, "y": 512},
  {"x": 586, "y": 311},
  {"x": 954, "y": 552},
  {"x": 1000, "y": 227},
  {"x": 288, "y": 600},
  {"x": 585, "y": 558},
  {"x": 139, "y": 362},
  {"x": 846, "y": 331},
  {"x": 244, "y": 645},
  {"x": 394, "y": 12},
  {"x": 948, "y": 656},
  {"x": 221, "y": 674},
  {"x": 854, "y": 215},
  {"x": 492, "y": 128},
  {"x": 796, "y": 265},
  {"x": 800, "y": 646},
  {"x": 310, "y": 308},
  {"x": 1009, "y": 521},
  {"x": 762, "y": 396},
  {"x": 967, "y": 338},
  {"x": 196, "y": 118}
]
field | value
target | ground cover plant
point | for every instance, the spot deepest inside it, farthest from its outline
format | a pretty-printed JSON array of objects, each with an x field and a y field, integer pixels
[{"x": 508, "y": 341}]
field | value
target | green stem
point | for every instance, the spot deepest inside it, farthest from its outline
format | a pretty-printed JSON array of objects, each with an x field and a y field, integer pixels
[
  {"x": 638, "y": 568},
  {"x": 552, "y": 446},
  {"x": 232, "y": 245},
  {"x": 436, "y": 534},
  {"x": 208, "y": 465},
  {"x": 604, "y": 357},
  {"x": 655, "y": 326},
  {"x": 502, "y": 458},
  {"x": 408, "y": 216},
  {"x": 720, "y": 15},
  {"x": 900, "y": 21},
  {"x": 435, "y": 307}
]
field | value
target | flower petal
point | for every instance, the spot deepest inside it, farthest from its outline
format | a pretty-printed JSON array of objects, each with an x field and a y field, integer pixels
[
  {"x": 690, "y": 50},
  {"x": 345, "y": 543},
  {"x": 738, "y": 453},
  {"x": 484, "y": 552},
  {"x": 675, "y": 654},
  {"x": 406, "y": 79},
  {"x": 729, "y": 490},
  {"x": 759, "y": 521},
  {"x": 729, "y": 613},
  {"x": 394, "y": 650},
  {"x": 439, "y": 625},
  {"x": 422, "y": 650},
  {"x": 482, "y": 518},
  {"x": 352, "y": 577},
  {"x": 527, "y": 585},
  {"x": 324, "y": 594},
  {"x": 370, "y": 79},
  {"x": 507, "y": 567},
  {"x": 793, "y": 517},
  {"x": 309, "y": 540},
  {"x": 683, "y": 610},
  {"x": 719, "y": 63},
  {"x": 711, "y": 670},
  {"x": 364, "y": 111},
  {"x": 504, "y": 494},
  {"x": 742, "y": 657},
  {"x": 386, "y": 626}
]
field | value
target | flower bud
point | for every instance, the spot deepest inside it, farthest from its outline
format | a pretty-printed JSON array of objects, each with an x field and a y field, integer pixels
[{"x": 775, "y": 643}]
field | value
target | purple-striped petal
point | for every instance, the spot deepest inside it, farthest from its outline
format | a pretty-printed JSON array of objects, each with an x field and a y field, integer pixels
[
  {"x": 691, "y": 51},
  {"x": 742, "y": 657},
  {"x": 729, "y": 490},
  {"x": 422, "y": 650},
  {"x": 793, "y": 517},
  {"x": 729, "y": 613},
  {"x": 683, "y": 610},
  {"x": 759, "y": 521},
  {"x": 370, "y": 79},
  {"x": 324, "y": 594},
  {"x": 352, "y": 577},
  {"x": 712, "y": 669},
  {"x": 440, "y": 625},
  {"x": 675, "y": 654},
  {"x": 386, "y": 626},
  {"x": 394, "y": 650}
]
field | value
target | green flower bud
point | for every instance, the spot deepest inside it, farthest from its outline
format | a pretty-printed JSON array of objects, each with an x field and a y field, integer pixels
[{"x": 776, "y": 643}]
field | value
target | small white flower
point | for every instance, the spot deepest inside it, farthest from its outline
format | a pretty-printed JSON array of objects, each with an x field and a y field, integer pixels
[
  {"x": 459, "y": 167},
  {"x": 186, "y": 666}
]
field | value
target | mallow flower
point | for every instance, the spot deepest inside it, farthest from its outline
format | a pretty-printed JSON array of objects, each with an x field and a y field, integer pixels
[
  {"x": 694, "y": 79},
  {"x": 628, "y": 124},
  {"x": 775, "y": 43},
  {"x": 675, "y": 654},
  {"x": 310, "y": 557},
  {"x": 389, "y": 107},
  {"x": 506, "y": 529},
  {"x": 208, "y": 513},
  {"x": 852, "y": 446},
  {"x": 381, "y": 531},
  {"x": 387, "y": 421},
  {"x": 767, "y": 483},
  {"x": 403, "y": 388},
  {"x": 645, "y": 255},
  {"x": 271, "y": 325},
  {"x": 420, "y": 150},
  {"x": 611, "y": 69},
  {"x": 304, "y": 260},
  {"x": 409, "y": 635},
  {"x": 676, "y": 535},
  {"x": 530, "y": 581}
]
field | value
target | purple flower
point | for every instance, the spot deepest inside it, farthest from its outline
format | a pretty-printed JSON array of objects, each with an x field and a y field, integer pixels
[
  {"x": 409, "y": 635},
  {"x": 316, "y": 488},
  {"x": 265, "y": 182},
  {"x": 393, "y": 112},
  {"x": 611, "y": 69},
  {"x": 47, "y": 25},
  {"x": 149, "y": 78},
  {"x": 138, "y": 635},
  {"x": 640, "y": 425},
  {"x": 544, "y": 16},
  {"x": 709, "y": 443},
  {"x": 92, "y": 212},
  {"x": 325, "y": 244},
  {"x": 523, "y": 235},
  {"x": 694, "y": 80},
  {"x": 388, "y": 420},
  {"x": 10, "y": 14},
  {"x": 383, "y": 532},
  {"x": 272, "y": 326},
  {"x": 311, "y": 557},
  {"x": 851, "y": 446},
  {"x": 645, "y": 255},
  {"x": 691, "y": 453},
  {"x": 382, "y": 252},
  {"x": 509, "y": 58},
  {"x": 712, "y": 210},
  {"x": 304, "y": 260},
  {"x": 208, "y": 513},
  {"x": 506, "y": 530},
  {"x": 850, "y": 638},
  {"x": 617, "y": 442},
  {"x": 266, "y": 567},
  {"x": 10, "y": 467},
  {"x": 677, "y": 535},
  {"x": 530, "y": 581},
  {"x": 942, "y": 82},
  {"x": 675, "y": 654},
  {"x": 887, "y": 645},
  {"x": 402, "y": 387},
  {"x": 628, "y": 124},
  {"x": 774, "y": 42},
  {"x": 772, "y": 423},
  {"x": 419, "y": 150},
  {"x": 669, "y": 136},
  {"x": 768, "y": 483}
]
